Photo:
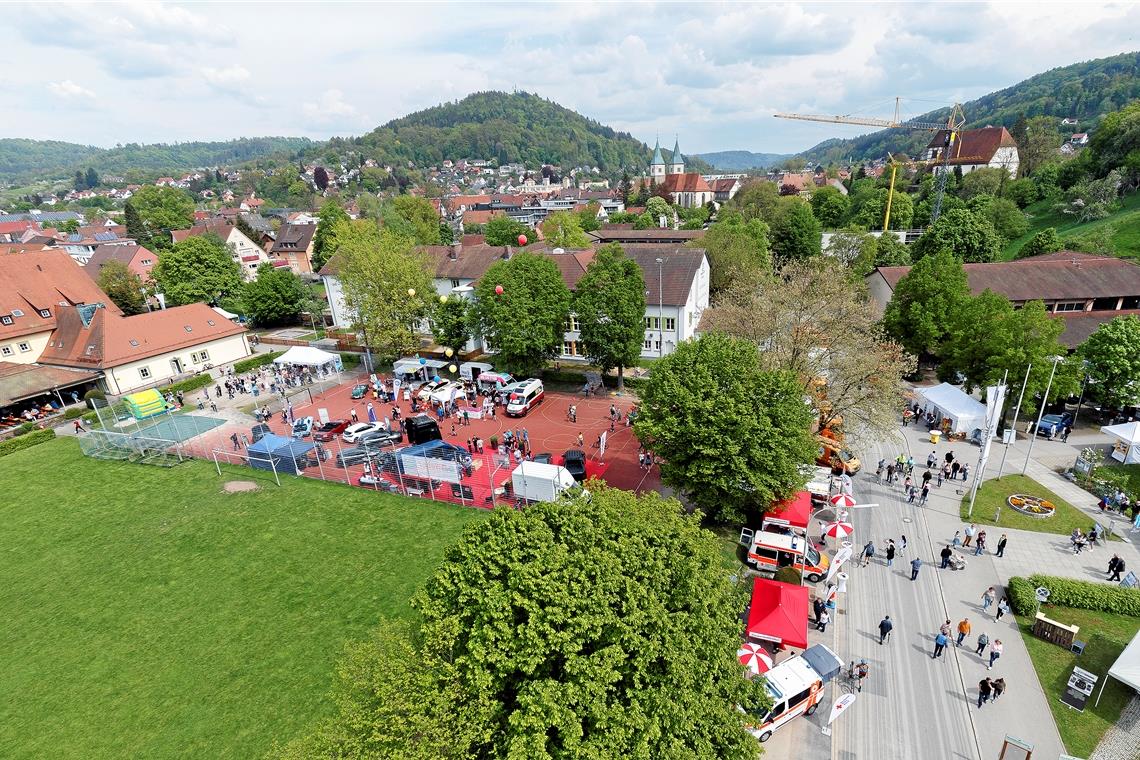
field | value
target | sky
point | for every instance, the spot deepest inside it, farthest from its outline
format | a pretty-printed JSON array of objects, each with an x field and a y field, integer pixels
[{"x": 710, "y": 74}]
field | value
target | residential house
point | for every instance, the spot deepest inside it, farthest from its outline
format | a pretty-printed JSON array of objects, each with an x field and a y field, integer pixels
[
  {"x": 626, "y": 234},
  {"x": 144, "y": 350},
  {"x": 246, "y": 253},
  {"x": 252, "y": 203},
  {"x": 1086, "y": 290},
  {"x": 294, "y": 245},
  {"x": 988, "y": 147},
  {"x": 725, "y": 189},
  {"x": 1080, "y": 139},
  {"x": 136, "y": 258},
  {"x": 81, "y": 247}
]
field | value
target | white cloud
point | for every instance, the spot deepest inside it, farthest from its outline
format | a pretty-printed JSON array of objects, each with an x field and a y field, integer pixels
[
  {"x": 331, "y": 109},
  {"x": 68, "y": 89},
  {"x": 232, "y": 79}
]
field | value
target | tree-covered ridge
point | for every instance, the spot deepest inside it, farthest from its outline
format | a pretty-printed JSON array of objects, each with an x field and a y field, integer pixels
[
  {"x": 22, "y": 159},
  {"x": 514, "y": 127},
  {"x": 1084, "y": 91}
]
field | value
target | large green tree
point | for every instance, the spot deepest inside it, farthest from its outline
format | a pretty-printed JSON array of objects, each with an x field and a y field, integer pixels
[
  {"x": 525, "y": 323},
  {"x": 1039, "y": 145},
  {"x": 421, "y": 214},
  {"x": 198, "y": 269},
  {"x": 925, "y": 302},
  {"x": 1112, "y": 356},
  {"x": 982, "y": 326},
  {"x": 1034, "y": 339},
  {"x": 759, "y": 199},
  {"x": 735, "y": 249},
  {"x": 153, "y": 212},
  {"x": 583, "y": 629},
  {"x": 869, "y": 209},
  {"x": 122, "y": 286},
  {"x": 387, "y": 286},
  {"x": 796, "y": 233},
  {"x": 1045, "y": 241},
  {"x": 964, "y": 234},
  {"x": 562, "y": 229},
  {"x": 451, "y": 322},
  {"x": 830, "y": 206},
  {"x": 502, "y": 230},
  {"x": 731, "y": 436},
  {"x": 891, "y": 252},
  {"x": 276, "y": 296},
  {"x": 1116, "y": 143},
  {"x": 324, "y": 239},
  {"x": 609, "y": 302}
]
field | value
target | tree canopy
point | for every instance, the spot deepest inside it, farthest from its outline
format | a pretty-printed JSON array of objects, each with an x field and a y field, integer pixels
[
  {"x": 796, "y": 233},
  {"x": 502, "y": 230},
  {"x": 830, "y": 206},
  {"x": 562, "y": 229},
  {"x": 925, "y": 303},
  {"x": 198, "y": 269},
  {"x": 421, "y": 215},
  {"x": 731, "y": 435},
  {"x": 735, "y": 249},
  {"x": 1112, "y": 356},
  {"x": 451, "y": 322},
  {"x": 152, "y": 212},
  {"x": 1045, "y": 241},
  {"x": 526, "y": 322},
  {"x": 964, "y": 234},
  {"x": 324, "y": 239},
  {"x": 122, "y": 286},
  {"x": 387, "y": 285},
  {"x": 275, "y": 297},
  {"x": 609, "y": 302}
]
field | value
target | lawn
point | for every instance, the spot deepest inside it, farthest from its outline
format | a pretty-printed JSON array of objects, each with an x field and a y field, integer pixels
[
  {"x": 1124, "y": 223},
  {"x": 145, "y": 613},
  {"x": 993, "y": 494},
  {"x": 1129, "y": 472},
  {"x": 1081, "y": 731}
]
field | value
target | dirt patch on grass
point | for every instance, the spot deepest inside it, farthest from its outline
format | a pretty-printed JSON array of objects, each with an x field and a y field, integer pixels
[{"x": 240, "y": 486}]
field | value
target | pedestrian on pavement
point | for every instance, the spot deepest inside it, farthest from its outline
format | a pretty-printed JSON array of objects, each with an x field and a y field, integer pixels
[
  {"x": 1002, "y": 608},
  {"x": 971, "y": 530},
  {"x": 931, "y": 460},
  {"x": 946, "y": 553},
  {"x": 902, "y": 541},
  {"x": 1115, "y": 568},
  {"x": 939, "y": 645},
  {"x": 965, "y": 471},
  {"x": 910, "y": 494},
  {"x": 925, "y": 494},
  {"x": 1135, "y": 522},
  {"x": 78, "y": 426},
  {"x": 581, "y": 440},
  {"x": 885, "y": 628},
  {"x": 996, "y": 649},
  {"x": 1001, "y": 545},
  {"x": 355, "y": 416},
  {"x": 868, "y": 552},
  {"x": 983, "y": 642},
  {"x": 926, "y": 476},
  {"x": 824, "y": 619},
  {"x": 980, "y": 543},
  {"x": 985, "y": 688},
  {"x": 940, "y": 478},
  {"x": 915, "y": 565},
  {"x": 234, "y": 440},
  {"x": 818, "y": 607},
  {"x": 957, "y": 539},
  {"x": 949, "y": 457},
  {"x": 954, "y": 467},
  {"x": 945, "y": 628},
  {"x": 908, "y": 483},
  {"x": 988, "y": 598},
  {"x": 999, "y": 687},
  {"x": 963, "y": 631},
  {"x": 890, "y": 473},
  {"x": 890, "y": 552}
]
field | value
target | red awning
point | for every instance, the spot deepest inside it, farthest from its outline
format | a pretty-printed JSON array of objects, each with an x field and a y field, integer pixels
[
  {"x": 779, "y": 613},
  {"x": 794, "y": 512}
]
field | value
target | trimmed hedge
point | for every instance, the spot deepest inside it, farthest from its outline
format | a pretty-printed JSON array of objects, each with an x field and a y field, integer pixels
[
  {"x": 193, "y": 384},
  {"x": 1022, "y": 596},
  {"x": 349, "y": 360},
  {"x": 566, "y": 376},
  {"x": 72, "y": 413},
  {"x": 1083, "y": 595},
  {"x": 253, "y": 362},
  {"x": 22, "y": 442}
]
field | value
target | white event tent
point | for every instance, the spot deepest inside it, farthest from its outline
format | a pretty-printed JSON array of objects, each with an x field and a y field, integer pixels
[
  {"x": 949, "y": 402},
  {"x": 307, "y": 356},
  {"x": 1126, "y": 669},
  {"x": 1126, "y": 441}
]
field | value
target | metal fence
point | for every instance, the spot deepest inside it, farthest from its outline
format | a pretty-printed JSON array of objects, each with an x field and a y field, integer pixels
[{"x": 130, "y": 447}]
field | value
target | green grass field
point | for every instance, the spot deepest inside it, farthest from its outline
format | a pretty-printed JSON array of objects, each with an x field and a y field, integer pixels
[
  {"x": 1124, "y": 223},
  {"x": 1105, "y": 635},
  {"x": 993, "y": 494},
  {"x": 145, "y": 613}
]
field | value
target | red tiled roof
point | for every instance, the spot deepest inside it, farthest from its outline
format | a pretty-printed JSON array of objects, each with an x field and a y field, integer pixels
[
  {"x": 975, "y": 144},
  {"x": 42, "y": 280},
  {"x": 7, "y": 227},
  {"x": 480, "y": 217},
  {"x": 110, "y": 339},
  {"x": 216, "y": 225},
  {"x": 723, "y": 185},
  {"x": 454, "y": 202},
  {"x": 293, "y": 238},
  {"x": 685, "y": 183}
]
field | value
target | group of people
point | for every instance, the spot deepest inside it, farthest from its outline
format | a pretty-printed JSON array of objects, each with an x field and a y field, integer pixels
[
  {"x": 901, "y": 470},
  {"x": 972, "y": 535}
]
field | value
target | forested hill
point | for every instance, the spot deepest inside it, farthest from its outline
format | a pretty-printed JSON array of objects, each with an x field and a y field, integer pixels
[
  {"x": 508, "y": 127},
  {"x": 743, "y": 159},
  {"x": 22, "y": 160},
  {"x": 1084, "y": 91}
]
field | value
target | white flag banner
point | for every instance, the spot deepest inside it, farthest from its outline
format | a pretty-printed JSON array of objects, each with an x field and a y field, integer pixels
[
  {"x": 837, "y": 561},
  {"x": 602, "y": 444},
  {"x": 840, "y": 707}
]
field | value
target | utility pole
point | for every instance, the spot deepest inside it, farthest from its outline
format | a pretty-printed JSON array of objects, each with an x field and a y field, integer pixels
[
  {"x": 1013, "y": 427},
  {"x": 1040, "y": 414}
]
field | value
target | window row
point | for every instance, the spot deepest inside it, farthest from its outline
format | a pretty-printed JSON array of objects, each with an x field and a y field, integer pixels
[
  {"x": 654, "y": 323},
  {"x": 7, "y": 350}
]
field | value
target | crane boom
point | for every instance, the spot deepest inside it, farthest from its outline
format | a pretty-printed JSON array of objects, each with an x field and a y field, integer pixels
[{"x": 864, "y": 121}]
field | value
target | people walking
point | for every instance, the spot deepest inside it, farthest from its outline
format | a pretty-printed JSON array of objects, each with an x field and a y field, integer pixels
[
  {"x": 868, "y": 553},
  {"x": 902, "y": 543},
  {"x": 971, "y": 530},
  {"x": 965, "y": 471},
  {"x": 980, "y": 543},
  {"x": 890, "y": 473},
  {"x": 1115, "y": 567},
  {"x": 1002, "y": 608},
  {"x": 818, "y": 607},
  {"x": 983, "y": 642},
  {"x": 885, "y": 628},
  {"x": 985, "y": 688},
  {"x": 924, "y": 495},
  {"x": 963, "y": 631},
  {"x": 931, "y": 460},
  {"x": 996, "y": 649},
  {"x": 1001, "y": 545},
  {"x": 954, "y": 467},
  {"x": 78, "y": 426},
  {"x": 915, "y": 566},
  {"x": 940, "y": 642},
  {"x": 890, "y": 552},
  {"x": 946, "y": 553},
  {"x": 988, "y": 598},
  {"x": 824, "y": 619},
  {"x": 234, "y": 440},
  {"x": 999, "y": 688}
]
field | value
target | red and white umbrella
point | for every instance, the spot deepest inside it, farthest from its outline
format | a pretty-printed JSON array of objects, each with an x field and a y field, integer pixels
[
  {"x": 843, "y": 501},
  {"x": 754, "y": 657},
  {"x": 839, "y": 529}
]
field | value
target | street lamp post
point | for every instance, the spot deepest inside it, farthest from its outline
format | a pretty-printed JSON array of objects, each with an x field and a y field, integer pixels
[
  {"x": 660, "y": 309},
  {"x": 1040, "y": 413}
]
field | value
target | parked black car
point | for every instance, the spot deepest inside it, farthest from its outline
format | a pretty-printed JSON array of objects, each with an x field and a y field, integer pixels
[
  {"x": 574, "y": 461},
  {"x": 380, "y": 438}
]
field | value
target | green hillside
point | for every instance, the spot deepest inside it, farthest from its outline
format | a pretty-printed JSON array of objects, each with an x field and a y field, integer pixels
[
  {"x": 1084, "y": 91},
  {"x": 1122, "y": 228},
  {"x": 508, "y": 127},
  {"x": 728, "y": 160},
  {"x": 24, "y": 160}
]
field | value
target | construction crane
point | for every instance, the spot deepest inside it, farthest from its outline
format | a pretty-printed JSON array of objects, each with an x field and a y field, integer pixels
[
  {"x": 953, "y": 126},
  {"x": 895, "y": 164}
]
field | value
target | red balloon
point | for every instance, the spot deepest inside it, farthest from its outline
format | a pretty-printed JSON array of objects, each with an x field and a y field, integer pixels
[
  {"x": 522, "y": 239},
  {"x": 498, "y": 290}
]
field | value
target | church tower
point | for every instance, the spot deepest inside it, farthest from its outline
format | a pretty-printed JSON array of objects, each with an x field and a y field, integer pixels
[
  {"x": 657, "y": 164},
  {"x": 677, "y": 165}
]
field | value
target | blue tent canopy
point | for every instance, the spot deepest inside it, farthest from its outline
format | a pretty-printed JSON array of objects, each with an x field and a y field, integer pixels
[{"x": 280, "y": 453}]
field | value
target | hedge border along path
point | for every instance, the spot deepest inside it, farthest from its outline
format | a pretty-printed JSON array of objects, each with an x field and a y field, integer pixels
[
  {"x": 1065, "y": 592},
  {"x": 25, "y": 441},
  {"x": 253, "y": 362}
]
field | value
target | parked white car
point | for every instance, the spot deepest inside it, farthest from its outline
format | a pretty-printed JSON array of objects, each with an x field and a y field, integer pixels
[{"x": 353, "y": 433}]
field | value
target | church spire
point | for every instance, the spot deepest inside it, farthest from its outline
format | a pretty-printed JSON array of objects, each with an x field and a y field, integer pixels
[
  {"x": 677, "y": 164},
  {"x": 658, "y": 159}
]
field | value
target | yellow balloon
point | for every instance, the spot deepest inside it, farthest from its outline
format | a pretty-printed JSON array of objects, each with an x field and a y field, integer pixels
[
  {"x": 443, "y": 299},
  {"x": 449, "y": 352},
  {"x": 452, "y": 368},
  {"x": 412, "y": 292}
]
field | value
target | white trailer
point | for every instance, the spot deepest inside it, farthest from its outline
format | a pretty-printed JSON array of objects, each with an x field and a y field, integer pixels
[{"x": 537, "y": 481}]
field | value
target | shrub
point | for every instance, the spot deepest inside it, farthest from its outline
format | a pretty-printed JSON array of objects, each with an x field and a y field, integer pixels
[
  {"x": 1086, "y": 595},
  {"x": 1022, "y": 596},
  {"x": 33, "y": 438},
  {"x": 72, "y": 413},
  {"x": 494, "y": 442},
  {"x": 94, "y": 393},
  {"x": 350, "y": 361},
  {"x": 253, "y": 362},
  {"x": 194, "y": 383},
  {"x": 788, "y": 575}
]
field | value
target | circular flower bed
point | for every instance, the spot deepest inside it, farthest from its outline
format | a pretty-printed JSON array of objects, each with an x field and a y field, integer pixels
[{"x": 1034, "y": 506}]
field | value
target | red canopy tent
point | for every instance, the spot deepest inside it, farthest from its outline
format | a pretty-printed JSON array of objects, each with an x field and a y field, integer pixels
[
  {"x": 794, "y": 513},
  {"x": 779, "y": 613}
]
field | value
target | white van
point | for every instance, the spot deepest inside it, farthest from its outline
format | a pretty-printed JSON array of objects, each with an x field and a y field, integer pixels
[
  {"x": 768, "y": 551},
  {"x": 524, "y": 398},
  {"x": 796, "y": 686}
]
